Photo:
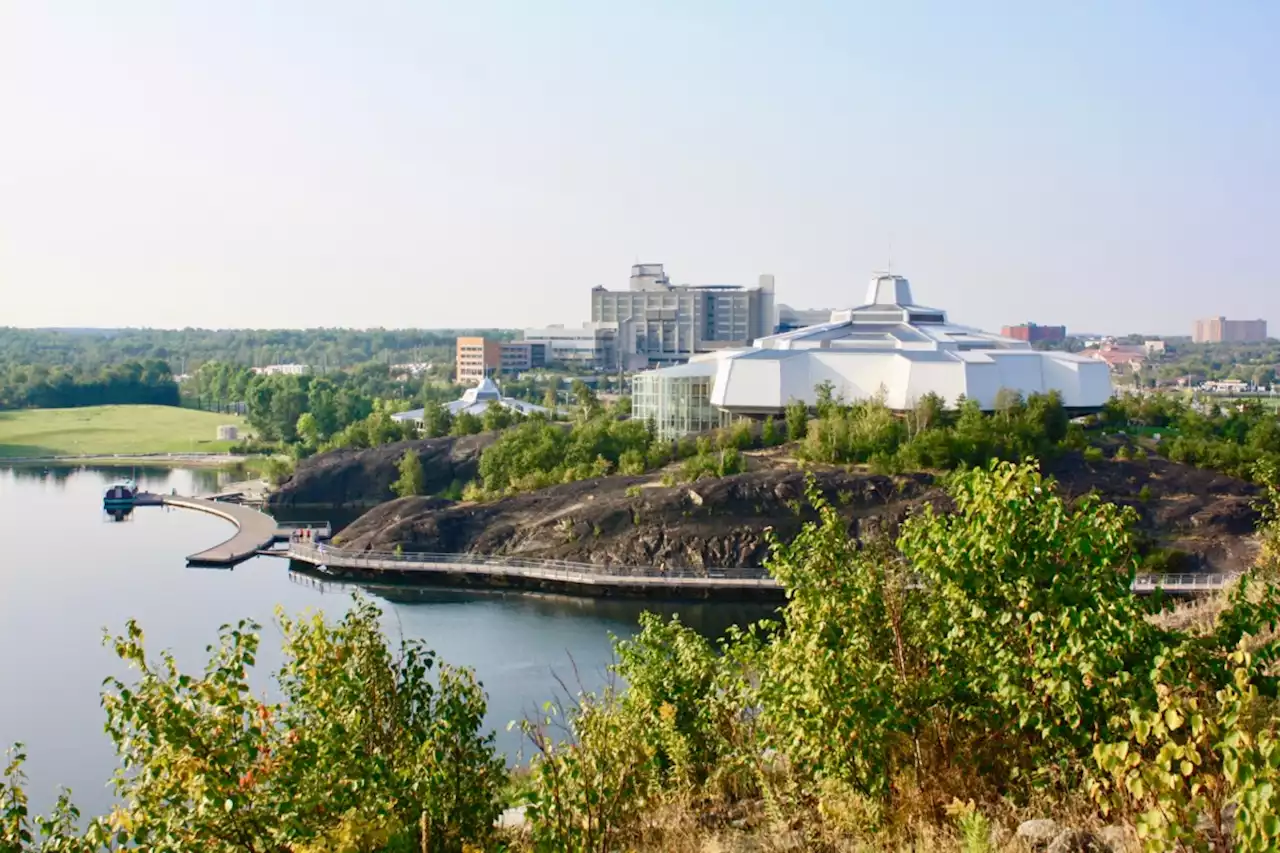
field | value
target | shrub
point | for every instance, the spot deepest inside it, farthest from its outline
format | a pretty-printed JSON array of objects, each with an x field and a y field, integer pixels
[
  {"x": 367, "y": 749},
  {"x": 1093, "y": 454}
]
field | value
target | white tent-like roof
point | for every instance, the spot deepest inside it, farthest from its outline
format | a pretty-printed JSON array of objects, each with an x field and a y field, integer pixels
[
  {"x": 475, "y": 401},
  {"x": 893, "y": 346}
]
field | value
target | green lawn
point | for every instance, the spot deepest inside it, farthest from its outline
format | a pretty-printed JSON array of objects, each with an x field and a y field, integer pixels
[{"x": 112, "y": 430}]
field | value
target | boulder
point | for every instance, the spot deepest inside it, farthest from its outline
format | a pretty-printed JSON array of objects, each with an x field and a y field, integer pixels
[{"x": 1038, "y": 834}]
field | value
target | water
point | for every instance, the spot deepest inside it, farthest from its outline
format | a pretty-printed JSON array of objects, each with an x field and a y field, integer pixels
[{"x": 69, "y": 572}]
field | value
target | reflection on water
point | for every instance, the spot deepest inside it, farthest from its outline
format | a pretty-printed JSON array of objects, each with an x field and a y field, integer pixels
[
  {"x": 157, "y": 478},
  {"x": 711, "y": 619}
]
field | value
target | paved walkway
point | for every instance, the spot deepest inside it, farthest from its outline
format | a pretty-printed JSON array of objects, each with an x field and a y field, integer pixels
[{"x": 254, "y": 530}]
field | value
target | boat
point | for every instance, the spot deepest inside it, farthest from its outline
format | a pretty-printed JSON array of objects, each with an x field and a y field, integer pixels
[{"x": 120, "y": 494}]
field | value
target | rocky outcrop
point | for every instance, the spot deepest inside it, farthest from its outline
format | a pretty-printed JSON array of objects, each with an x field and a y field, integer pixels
[
  {"x": 1204, "y": 519},
  {"x": 363, "y": 478},
  {"x": 634, "y": 521}
]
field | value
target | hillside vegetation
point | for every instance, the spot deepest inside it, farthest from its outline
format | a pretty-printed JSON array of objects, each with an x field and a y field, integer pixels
[
  {"x": 105, "y": 430},
  {"x": 927, "y": 692}
]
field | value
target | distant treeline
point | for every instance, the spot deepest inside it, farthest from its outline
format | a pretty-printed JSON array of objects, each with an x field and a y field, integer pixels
[
  {"x": 187, "y": 349},
  {"x": 41, "y": 386}
]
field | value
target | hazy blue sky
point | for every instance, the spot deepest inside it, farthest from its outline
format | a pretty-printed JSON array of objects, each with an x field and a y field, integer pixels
[{"x": 1111, "y": 165}]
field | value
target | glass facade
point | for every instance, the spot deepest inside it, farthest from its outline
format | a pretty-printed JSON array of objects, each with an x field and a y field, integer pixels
[{"x": 678, "y": 403}]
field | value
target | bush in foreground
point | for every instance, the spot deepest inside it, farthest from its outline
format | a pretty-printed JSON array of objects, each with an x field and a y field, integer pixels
[{"x": 369, "y": 750}]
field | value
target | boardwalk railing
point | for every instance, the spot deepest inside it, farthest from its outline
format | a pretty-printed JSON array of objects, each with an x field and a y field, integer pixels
[
  {"x": 1183, "y": 582},
  {"x": 562, "y": 570},
  {"x": 594, "y": 573}
]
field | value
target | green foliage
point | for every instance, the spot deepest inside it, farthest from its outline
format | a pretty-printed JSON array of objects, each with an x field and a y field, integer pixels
[
  {"x": 928, "y": 436},
  {"x": 412, "y": 481},
  {"x": 465, "y": 423},
  {"x": 769, "y": 433},
  {"x": 797, "y": 417},
  {"x": 588, "y": 792},
  {"x": 369, "y": 750},
  {"x": 537, "y": 453},
  {"x": 1093, "y": 454}
]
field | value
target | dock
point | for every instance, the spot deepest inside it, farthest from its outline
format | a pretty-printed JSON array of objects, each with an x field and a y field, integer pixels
[
  {"x": 596, "y": 580},
  {"x": 255, "y": 531},
  {"x": 558, "y": 576}
]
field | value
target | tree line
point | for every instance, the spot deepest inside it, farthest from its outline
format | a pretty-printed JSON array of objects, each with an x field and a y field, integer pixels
[
  {"x": 187, "y": 349},
  {"x": 129, "y": 382}
]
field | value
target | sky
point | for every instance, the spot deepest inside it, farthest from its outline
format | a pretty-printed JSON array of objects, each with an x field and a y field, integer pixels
[{"x": 1111, "y": 166}]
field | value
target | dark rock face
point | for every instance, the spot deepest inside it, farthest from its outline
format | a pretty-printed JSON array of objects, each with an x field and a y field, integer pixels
[
  {"x": 363, "y": 478},
  {"x": 1205, "y": 518},
  {"x": 631, "y": 521}
]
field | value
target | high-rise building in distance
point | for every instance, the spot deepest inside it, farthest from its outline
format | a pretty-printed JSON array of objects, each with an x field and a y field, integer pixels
[
  {"x": 1033, "y": 334},
  {"x": 667, "y": 323},
  {"x": 1216, "y": 330}
]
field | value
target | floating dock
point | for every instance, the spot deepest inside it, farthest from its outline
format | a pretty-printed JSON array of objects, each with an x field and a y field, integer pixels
[{"x": 255, "y": 530}]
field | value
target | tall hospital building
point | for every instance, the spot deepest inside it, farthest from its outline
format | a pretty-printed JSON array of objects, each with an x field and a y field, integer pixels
[{"x": 660, "y": 323}]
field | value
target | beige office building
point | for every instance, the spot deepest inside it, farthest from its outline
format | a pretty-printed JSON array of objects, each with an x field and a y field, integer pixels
[
  {"x": 667, "y": 323},
  {"x": 1219, "y": 330}
]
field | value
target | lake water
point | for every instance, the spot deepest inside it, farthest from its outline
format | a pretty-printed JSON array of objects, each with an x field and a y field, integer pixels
[{"x": 69, "y": 572}]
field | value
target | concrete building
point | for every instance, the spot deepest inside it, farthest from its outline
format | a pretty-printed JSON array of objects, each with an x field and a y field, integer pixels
[
  {"x": 476, "y": 401},
  {"x": 888, "y": 346},
  {"x": 668, "y": 323},
  {"x": 477, "y": 358},
  {"x": 1033, "y": 334},
  {"x": 1217, "y": 330},
  {"x": 593, "y": 346}
]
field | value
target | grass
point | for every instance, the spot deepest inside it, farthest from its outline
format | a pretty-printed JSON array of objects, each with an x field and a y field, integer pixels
[{"x": 107, "y": 430}]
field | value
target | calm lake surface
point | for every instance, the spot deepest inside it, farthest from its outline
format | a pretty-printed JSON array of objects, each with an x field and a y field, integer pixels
[{"x": 69, "y": 572}]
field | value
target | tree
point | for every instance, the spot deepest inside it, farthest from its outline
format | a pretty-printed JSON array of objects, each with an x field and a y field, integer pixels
[
  {"x": 549, "y": 399},
  {"x": 585, "y": 399},
  {"x": 436, "y": 420},
  {"x": 308, "y": 430},
  {"x": 411, "y": 480},
  {"x": 797, "y": 420}
]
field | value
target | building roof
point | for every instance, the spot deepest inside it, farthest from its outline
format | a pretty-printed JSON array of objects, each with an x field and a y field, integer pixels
[
  {"x": 889, "y": 342},
  {"x": 475, "y": 401}
]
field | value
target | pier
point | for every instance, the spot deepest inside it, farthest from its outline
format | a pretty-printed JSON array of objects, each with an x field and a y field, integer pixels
[
  {"x": 255, "y": 531},
  {"x": 559, "y": 576},
  {"x": 492, "y": 571}
]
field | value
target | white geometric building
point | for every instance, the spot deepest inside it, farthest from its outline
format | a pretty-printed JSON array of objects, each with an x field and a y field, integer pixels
[
  {"x": 889, "y": 346},
  {"x": 476, "y": 401}
]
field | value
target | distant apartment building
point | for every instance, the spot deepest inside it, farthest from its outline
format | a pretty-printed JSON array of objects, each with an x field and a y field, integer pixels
[
  {"x": 667, "y": 323},
  {"x": 1033, "y": 334},
  {"x": 593, "y": 346},
  {"x": 480, "y": 357},
  {"x": 1219, "y": 330}
]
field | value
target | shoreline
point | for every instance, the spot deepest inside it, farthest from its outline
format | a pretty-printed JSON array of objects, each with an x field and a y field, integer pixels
[{"x": 184, "y": 460}]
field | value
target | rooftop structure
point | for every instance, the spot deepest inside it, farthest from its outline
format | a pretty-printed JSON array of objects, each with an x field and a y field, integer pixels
[
  {"x": 475, "y": 401},
  {"x": 889, "y": 345}
]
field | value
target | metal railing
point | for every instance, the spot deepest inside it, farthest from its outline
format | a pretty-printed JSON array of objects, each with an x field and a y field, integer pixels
[
  {"x": 1183, "y": 582},
  {"x": 542, "y": 569}
]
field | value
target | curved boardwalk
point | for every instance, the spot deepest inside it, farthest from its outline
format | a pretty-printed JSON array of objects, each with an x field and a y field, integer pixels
[
  {"x": 560, "y": 576},
  {"x": 602, "y": 581},
  {"x": 254, "y": 530}
]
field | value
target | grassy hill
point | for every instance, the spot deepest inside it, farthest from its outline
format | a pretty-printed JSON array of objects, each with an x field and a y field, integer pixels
[{"x": 96, "y": 430}]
